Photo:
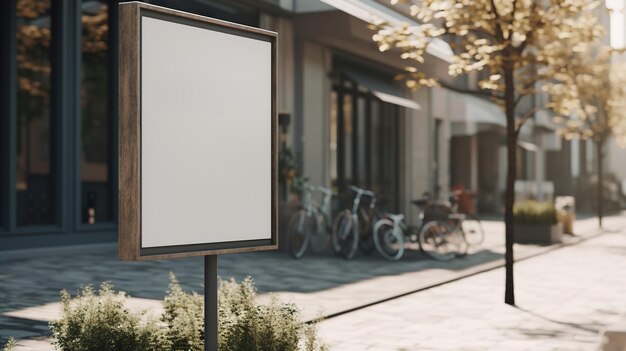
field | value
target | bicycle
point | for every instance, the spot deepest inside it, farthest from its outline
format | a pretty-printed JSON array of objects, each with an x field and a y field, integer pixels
[
  {"x": 444, "y": 240},
  {"x": 311, "y": 219},
  {"x": 437, "y": 238},
  {"x": 472, "y": 228},
  {"x": 353, "y": 226},
  {"x": 391, "y": 233}
]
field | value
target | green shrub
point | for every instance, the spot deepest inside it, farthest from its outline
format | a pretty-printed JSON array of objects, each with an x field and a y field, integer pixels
[
  {"x": 184, "y": 317},
  {"x": 243, "y": 324},
  {"x": 99, "y": 321},
  {"x": 10, "y": 345},
  {"x": 534, "y": 212}
]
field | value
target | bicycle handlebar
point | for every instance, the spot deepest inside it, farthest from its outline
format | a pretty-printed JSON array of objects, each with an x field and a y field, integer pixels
[
  {"x": 362, "y": 191},
  {"x": 325, "y": 191},
  {"x": 320, "y": 189},
  {"x": 359, "y": 193}
]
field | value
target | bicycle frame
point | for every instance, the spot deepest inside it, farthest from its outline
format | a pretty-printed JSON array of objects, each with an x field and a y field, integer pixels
[
  {"x": 356, "y": 203},
  {"x": 312, "y": 209}
]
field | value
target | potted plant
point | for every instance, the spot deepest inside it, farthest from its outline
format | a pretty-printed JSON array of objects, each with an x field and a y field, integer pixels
[
  {"x": 536, "y": 222},
  {"x": 291, "y": 182}
]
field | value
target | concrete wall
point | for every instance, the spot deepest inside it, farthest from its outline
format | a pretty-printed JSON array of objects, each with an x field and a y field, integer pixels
[
  {"x": 285, "y": 62},
  {"x": 314, "y": 87},
  {"x": 444, "y": 145},
  {"x": 417, "y": 157},
  {"x": 616, "y": 159}
]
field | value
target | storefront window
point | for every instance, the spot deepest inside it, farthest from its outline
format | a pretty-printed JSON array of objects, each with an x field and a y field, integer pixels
[
  {"x": 365, "y": 152},
  {"x": 35, "y": 176},
  {"x": 347, "y": 139},
  {"x": 96, "y": 135},
  {"x": 333, "y": 138}
]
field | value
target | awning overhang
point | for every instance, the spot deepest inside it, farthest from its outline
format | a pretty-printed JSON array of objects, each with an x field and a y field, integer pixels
[
  {"x": 380, "y": 88},
  {"x": 371, "y": 11},
  {"x": 528, "y": 146},
  {"x": 470, "y": 114}
]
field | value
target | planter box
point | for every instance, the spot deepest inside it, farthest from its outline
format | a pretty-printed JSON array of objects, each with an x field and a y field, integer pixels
[
  {"x": 614, "y": 338},
  {"x": 538, "y": 233}
]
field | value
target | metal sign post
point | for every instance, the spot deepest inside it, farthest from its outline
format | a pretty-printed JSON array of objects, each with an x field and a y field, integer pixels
[
  {"x": 210, "y": 303},
  {"x": 190, "y": 88}
]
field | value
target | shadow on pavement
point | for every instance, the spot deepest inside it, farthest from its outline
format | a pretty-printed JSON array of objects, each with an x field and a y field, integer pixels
[
  {"x": 37, "y": 281},
  {"x": 585, "y": 327}
]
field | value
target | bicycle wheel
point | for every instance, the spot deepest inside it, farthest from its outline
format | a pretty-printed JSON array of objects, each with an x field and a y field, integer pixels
[
  {"x": 458, "y": 241},
  {"x": 298, "y": 233},
  {"x": 333, "y": 240},
  {"x": 388, "y": 242},
  {"x": 433, "y": 240},
  {"x": 366, "y": 242},
  {"x": 473, "y": 230},
  {"x": 346, "y": 235}
]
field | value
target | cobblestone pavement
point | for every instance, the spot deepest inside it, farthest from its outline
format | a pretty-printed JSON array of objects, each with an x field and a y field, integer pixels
[
  {"x": 30, "y": 282},
  {"x": 564, "y": 299}
]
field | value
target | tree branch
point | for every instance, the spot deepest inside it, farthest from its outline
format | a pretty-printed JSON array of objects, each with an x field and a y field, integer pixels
[
  {"x": 486, "y": 93},
  {"x": 496, "y": 22},
  {"x": 528, "y": 115},
  {"x": 529, "y": 34},
  {"x": 525, "y": 88}
]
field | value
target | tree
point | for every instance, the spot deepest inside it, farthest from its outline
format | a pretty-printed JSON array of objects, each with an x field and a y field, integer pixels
[
  {"x": 589, "y": 99},
  {"x": 515, "y": 41}
]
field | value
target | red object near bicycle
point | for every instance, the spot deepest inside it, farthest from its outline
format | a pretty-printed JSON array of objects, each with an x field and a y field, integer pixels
[{"x": 465, "y": 199}]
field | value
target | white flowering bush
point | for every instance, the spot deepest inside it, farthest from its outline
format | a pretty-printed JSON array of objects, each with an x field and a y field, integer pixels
[
  {"x": 184, "y": 318},
  {"x": 243, "y": 323},
  {"x": 99, "y": 321},
  {"x": 246, "y": 325},
  {"x": 10, "y": 345}
]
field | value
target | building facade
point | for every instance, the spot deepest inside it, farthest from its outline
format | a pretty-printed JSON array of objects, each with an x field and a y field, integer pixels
[
  {"x": 350, "y": 121},
  {"x": 58, "y": 108}
]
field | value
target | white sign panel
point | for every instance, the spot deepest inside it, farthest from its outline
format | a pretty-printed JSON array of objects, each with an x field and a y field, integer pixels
[{"x": 200, "y": 99}]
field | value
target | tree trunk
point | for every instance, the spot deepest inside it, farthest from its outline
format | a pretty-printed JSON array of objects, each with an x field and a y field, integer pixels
[
  {"x": 600, "y": 157},
  {"x": 509, "y": 201}
]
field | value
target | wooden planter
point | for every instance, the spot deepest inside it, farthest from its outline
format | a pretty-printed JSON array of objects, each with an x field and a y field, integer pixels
[{"x": 538, "y": 233}]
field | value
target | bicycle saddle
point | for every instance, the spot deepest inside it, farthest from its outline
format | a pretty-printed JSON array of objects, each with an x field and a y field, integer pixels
[
  {"x": 421, "y": 202},
  {"x": 395, "y": 217}
]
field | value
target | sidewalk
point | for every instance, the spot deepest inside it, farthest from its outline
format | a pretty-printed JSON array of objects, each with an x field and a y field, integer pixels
[
  {"x": 29, "y": 286},
  {"x": 564, "y": 300}
]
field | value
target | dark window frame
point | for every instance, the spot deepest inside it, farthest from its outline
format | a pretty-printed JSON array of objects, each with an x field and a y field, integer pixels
[
  {"x": 7, "y": 109},
  {"x": 340, "y": 88},
  {"x": 112, "y": 97},
  {"x": 64, "y": 115},
  {"x": 56, "y": 112}
]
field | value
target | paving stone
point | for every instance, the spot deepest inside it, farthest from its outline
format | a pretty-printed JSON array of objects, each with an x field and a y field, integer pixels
[
  {"x": 315, "y": 283},
  {"x": 565, "y": 298}
]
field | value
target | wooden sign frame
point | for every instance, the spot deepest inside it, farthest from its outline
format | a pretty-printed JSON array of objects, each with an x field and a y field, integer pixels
[{"x": 130, "y": 136}]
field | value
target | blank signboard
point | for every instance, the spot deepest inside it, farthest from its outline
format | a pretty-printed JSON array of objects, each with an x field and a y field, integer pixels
[{"x": 201, "y": 176}]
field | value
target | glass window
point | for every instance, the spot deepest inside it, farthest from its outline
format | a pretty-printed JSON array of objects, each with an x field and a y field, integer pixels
[
  {"x": 3, "y": 154},
  {"x": 347, "y": 139},
  {"x": 375, "y": 146},
  {"x": 361, "y": 143},
  {"x": 35, "y": 176},
  {"x": 367, "y": 147},
  {"x": 96, "y": 134},
  {"x": 333, "y": 137}
]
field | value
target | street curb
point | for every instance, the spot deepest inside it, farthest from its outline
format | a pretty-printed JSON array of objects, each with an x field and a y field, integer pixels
[{"x": 486, "y": 267}]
